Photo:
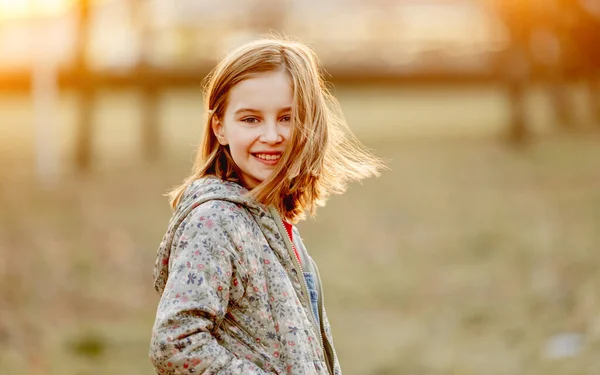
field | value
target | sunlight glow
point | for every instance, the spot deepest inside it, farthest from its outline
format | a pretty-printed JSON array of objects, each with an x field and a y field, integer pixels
[{"x": 14, "y": 9}]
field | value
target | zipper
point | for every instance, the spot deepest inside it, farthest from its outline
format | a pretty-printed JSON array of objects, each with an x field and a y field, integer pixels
[
  {"x": 298, "y": 266},
  {"x": 322, "y": 312}
]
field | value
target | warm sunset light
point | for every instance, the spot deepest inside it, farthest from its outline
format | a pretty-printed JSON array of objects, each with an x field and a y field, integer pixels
[
  {"x": 474, "y": 253},
  {"x": 11, "y": 9}
]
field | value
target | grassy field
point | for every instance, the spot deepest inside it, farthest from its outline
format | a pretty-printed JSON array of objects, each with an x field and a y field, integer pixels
[{"x": 467, "y": 257}]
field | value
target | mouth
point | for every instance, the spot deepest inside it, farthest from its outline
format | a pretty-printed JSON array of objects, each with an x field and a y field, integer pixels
[{"x": 270, "y": 158}]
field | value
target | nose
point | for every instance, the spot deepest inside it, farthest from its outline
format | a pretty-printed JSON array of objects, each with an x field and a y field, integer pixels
[{"x": 271, "y": 133}]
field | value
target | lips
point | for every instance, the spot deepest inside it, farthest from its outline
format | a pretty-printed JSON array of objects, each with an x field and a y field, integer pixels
[{"x": 269, "y": 158}]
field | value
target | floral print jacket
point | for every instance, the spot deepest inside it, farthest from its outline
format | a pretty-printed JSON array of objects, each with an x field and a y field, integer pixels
[{"x": 233, "y": 299}]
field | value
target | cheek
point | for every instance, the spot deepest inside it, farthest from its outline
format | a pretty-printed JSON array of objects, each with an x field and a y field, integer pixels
[
  {"x": 241, "y": 141},
  {"x": 286, "y": 132}
]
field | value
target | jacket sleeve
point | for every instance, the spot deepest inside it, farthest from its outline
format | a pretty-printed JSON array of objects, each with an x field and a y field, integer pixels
[{"x": 205, "y": 276}]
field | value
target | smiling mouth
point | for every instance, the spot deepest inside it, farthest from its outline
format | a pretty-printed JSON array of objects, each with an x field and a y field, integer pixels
[{"x": 268, "y": 157}]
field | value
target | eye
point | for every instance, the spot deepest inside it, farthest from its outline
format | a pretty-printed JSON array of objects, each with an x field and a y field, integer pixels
[
  {"x": 250, "y": 120},
  {"x": 286, "y": 118}
]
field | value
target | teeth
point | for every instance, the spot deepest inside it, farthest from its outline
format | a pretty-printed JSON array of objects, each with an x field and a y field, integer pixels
[{"x": 268, "y": 157}]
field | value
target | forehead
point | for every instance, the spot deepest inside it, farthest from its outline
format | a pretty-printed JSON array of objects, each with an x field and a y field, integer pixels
[{"x": 263, "y": 91}]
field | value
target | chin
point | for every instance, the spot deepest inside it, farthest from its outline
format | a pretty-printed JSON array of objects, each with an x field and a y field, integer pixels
[{"x": 261, "y": 179}]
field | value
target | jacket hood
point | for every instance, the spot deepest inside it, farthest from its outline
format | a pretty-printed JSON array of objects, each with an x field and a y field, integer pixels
[{"x": 199, "y": 191}]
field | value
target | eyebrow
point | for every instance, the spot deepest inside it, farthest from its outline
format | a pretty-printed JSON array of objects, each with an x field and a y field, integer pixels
[{"x": 252, "y": 110}]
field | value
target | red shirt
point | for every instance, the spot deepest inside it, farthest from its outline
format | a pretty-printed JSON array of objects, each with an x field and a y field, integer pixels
[{"x": 288, "y": 228}]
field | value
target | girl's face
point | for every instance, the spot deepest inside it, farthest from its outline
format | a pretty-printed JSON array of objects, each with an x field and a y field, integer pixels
[{"x": 257, "y": 124}]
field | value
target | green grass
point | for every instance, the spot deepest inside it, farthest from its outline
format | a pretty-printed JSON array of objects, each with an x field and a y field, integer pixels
[{"x": 465, "y": 257}]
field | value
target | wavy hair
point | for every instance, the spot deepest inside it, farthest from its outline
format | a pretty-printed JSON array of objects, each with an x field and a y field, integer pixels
[{"x": 322, "y": 155}]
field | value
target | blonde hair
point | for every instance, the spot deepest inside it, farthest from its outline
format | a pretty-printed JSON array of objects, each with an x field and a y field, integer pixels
[{"x": 322, "y": 154}]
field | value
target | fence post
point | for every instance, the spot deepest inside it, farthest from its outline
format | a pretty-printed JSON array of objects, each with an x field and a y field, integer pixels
[{"x": 84, "y": 85}]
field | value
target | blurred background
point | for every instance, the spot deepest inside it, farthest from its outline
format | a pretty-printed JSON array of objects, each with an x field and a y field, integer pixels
[{"x": 477, "y": 252}]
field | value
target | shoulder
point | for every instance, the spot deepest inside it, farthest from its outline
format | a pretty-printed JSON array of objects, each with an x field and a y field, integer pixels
[
  {"x": 218, "y": 219},
  {"x": 223, "y": 211}
]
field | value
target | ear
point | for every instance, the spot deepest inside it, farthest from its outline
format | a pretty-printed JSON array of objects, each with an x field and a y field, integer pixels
[{"x": 217, "y": 128}]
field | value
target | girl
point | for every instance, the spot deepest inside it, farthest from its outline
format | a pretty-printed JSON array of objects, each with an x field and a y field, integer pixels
[{"x": 239, "y": 292}]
